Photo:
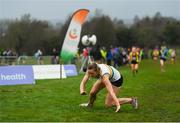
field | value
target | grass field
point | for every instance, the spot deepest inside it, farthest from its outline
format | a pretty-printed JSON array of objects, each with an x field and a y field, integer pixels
[{"x": 58, "y": 100}]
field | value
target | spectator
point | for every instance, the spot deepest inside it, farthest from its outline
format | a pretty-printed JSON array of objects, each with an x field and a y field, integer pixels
[
  {"x": 124, "y": 56},
  {"x": 55, "y": 56},
  {"x": 96, "y": 54},
  {"x": 103, "y": 54},
  {"x": 39, "y": 57},
  {"x": 109, "y": 57}
]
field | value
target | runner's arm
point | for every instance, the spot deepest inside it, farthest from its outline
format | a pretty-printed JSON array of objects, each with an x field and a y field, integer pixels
[{"x": 83, "y": 84}]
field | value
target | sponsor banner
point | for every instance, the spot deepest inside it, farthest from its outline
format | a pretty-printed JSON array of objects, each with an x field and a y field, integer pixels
[
  {"x": 72, "y": 38},
  {"x": 14, "y": 75},
  {"x": 48, "y": 71},
  {"x": 70, "y": 70}
]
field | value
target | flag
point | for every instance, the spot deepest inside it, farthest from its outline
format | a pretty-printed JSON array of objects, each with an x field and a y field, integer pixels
[{"x": 72, "y": 38}]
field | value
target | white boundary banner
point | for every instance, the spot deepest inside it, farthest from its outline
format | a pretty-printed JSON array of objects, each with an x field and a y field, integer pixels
[{"x": 48, "y": 71}]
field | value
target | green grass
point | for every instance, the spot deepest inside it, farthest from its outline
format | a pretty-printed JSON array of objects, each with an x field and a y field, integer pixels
[{"x": 58, "y": 100}]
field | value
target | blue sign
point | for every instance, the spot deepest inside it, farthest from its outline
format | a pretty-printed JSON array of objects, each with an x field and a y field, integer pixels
[
  {"x": 70, "y": 70},
  {"x": 13, "y": 75}
]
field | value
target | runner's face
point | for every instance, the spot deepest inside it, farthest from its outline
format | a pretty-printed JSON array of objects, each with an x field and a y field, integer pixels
[
  {"x": 93, "y": 73},
  {"x": 133, "y": 49}
]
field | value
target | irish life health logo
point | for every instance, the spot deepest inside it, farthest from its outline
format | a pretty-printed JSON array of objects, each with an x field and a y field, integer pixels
[
  {"x": 73, "y": 34},
  {"x": 13, "y": 75}
]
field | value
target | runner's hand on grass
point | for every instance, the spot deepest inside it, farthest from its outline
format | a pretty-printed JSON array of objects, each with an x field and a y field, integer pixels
[
  {"x": 118, "y": 108},
  {"x": 83, "y": 93}
]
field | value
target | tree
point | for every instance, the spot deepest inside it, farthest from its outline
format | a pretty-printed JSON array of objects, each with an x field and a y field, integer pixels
[
  {"x": 28, "y": 35},
  {"x": 172, "y": 34}
]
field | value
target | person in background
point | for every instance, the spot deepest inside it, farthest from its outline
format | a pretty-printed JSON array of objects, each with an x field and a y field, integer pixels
[
  {"x": 85, "y": 59},
  {"x": 39, "y": 56},
  {"x": 55, "y": 56},
  {"x": 155, "y": 54},
  {"x": 134, "y": 60},
  {"x": 163, "y": 57},
  {"x": 141, "y": 54},
  {"x": 109, "y": 57},
  {"x": 124, "y": 56},
  {"x": 103, "y": 54},
  {"x": 116, "y": 57},
  {"x": 173, "y": 55},
  {"x": 96, "y": 54}
]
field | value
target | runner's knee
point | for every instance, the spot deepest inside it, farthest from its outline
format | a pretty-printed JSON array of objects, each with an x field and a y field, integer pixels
[{"x": 108, "y": 103}]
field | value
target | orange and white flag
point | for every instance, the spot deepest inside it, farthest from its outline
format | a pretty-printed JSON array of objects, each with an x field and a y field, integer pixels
[{"x": 72, "y": 38}]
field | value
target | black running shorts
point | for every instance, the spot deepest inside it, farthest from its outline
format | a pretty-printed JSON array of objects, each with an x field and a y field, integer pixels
[{"x": 118, "y": 83}]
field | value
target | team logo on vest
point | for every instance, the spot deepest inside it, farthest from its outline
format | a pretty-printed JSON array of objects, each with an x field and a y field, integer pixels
[{"x": 73, "y": 34}]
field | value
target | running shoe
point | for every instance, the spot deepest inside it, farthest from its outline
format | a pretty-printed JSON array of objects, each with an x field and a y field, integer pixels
[{"x": 134, "y": 103}]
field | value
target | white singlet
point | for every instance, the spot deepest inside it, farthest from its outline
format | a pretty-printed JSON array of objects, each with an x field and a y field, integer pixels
[{"x": 106, "y": 69}]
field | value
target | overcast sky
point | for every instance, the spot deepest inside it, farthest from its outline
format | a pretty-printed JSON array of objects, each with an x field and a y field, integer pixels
[{"x": 61, "y": 9}]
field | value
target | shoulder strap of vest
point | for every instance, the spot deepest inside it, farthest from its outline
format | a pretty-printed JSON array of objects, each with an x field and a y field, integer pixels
[{"x": 110, "y": 70}]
